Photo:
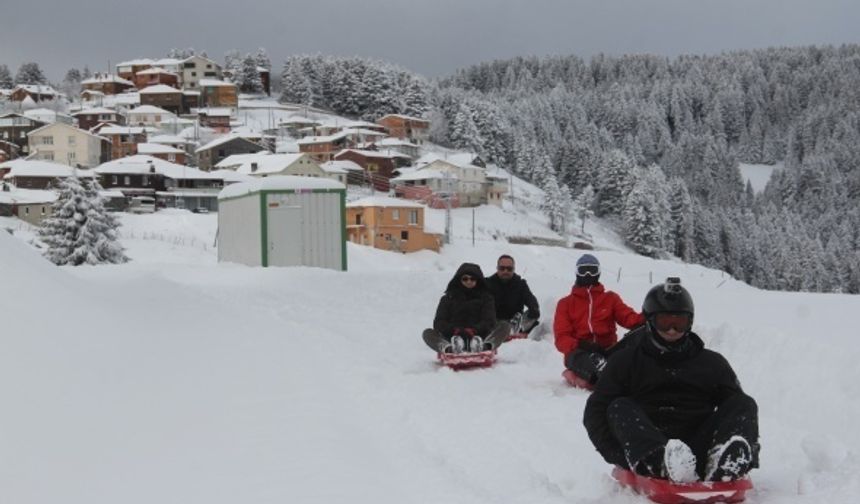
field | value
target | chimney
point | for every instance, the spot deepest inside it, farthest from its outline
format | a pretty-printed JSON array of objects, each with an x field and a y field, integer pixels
[
  {"x": 6, "y": 187},
  {"x": 253, "y": 167},
  {"x": 151, "y": 166}
]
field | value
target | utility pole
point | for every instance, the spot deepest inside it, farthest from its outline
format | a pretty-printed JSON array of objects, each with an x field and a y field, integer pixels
[{"x": 447, "y": 207}]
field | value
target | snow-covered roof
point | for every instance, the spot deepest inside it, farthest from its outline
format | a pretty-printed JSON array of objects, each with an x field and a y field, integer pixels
[
  {"x": 125, "y": 130},
  {"x": 231, "y": 176},
  {"x": 105, "y": 78},
  {"x": 321, "y": 139},
  {"x": 154, "y": 70},
  {"x": 149, "y": 109},
  {"x": 95, "y": 110},
  {"x": 462, "y": 159},
  {"x": 394, "y": 142},
  {"x": 422, "y": 175},
  {"x": 39, "y": 168},
  {"x": 159, "y": 89},
  {"x": 155, "y": 148},
  {"x": 364, "y": 131},
  {"x": 238, "y": 159},
  {"x": 221, "y": 140},
  {"x": 68, "y": 126},
  {"x": 215, "y": 82},
  {"x": 140, "y": 164},
  {"x": 191, "y": 92},
  {"x": 42, "y": 89},
  {"x": 167, "y": 61},
  {"x": 266, "y": 164},
  {"x": 405, "y": 117},
  {"x": 375, "y": 154},
  {"x": 136, "y": 62},
  {"x": 341, "y": 164},
  {"x": 26, "y": 196},
  {"x": 167, "y": 139},
  {"x": 278, "y": 183},
  {"x": 384, "y": 201},
  {"x": 45, "y": 115},
  {"x": 213, "y": 111},
  {"x": 298, "y": 120}
]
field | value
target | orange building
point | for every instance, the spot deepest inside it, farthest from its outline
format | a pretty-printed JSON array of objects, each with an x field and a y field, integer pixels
[{"x": 389, "y": 224}]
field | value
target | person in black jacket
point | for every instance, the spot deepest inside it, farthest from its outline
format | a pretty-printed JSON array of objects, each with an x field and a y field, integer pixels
[
  {"x": 666, "y": 407},
  {"x": 466, "y": 315},
  {"x": 512, "y": 293}
]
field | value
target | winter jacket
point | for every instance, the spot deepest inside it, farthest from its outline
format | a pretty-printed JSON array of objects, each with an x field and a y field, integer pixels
[
  {"x": 511, "y": 296},
  {"x": 462, "y": 308},
  {"x": 677, "y": 386},
  {"x": 590, "y": 313}
]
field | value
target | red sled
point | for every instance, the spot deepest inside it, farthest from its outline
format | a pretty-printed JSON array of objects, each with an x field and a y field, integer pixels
[
  {"x": 468, "y": 360},
  {"x": 575, "y": 381},
  {"x": 514, "y": 336},
  {"x": 666, "y": 492}
]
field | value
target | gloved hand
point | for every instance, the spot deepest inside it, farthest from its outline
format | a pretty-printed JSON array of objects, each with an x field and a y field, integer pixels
[
  {"x": 468, "y": 331},
  {"x": 589, "y": 346},
  {"x": 531, "y": 315}
]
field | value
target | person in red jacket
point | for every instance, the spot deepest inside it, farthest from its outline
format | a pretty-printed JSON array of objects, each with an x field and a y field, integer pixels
[{"x": 585, "y": 320}]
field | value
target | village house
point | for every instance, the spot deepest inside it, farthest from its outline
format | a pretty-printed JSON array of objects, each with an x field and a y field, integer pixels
[
  {"x": 389, "y": 224},
  {"x": 29, "y": 205},
  {"x": 455, "y": 178},
  {"x": 353, "y": 172},
  {"x": 14, "y": 129},
  {"x": 108, "y": 84},
  {"x": 218, "y": 93},
  {"x": 197, "y": 68},
  {"x": 123, "y": 139},
  {"x": 91, "y": 117},
  {"x": 414, "y": 129},
  {"x": 148, "y": 115},
  {"x": 378, "y": 166},
  {"x": 217, "y": 118},
  {"x": 155, "y": 76},
  {"x": 391, "y": 144},
  {"x": 35, "y": 92},
  {"x": 164, "y": 97},
  {"x": 265, "y": 164},
  {"x": 323, "y": 148},
  {"x": 128, "y": 69},
  {"x": 171, "y": 184},
  {"x": 49, "y": 116},
  {"x": 176, "y": 142},
  {"x": 215, "y": 151},
  {"x": 161, "y": 151},
  {"x": 69, "y": 145},
  {"x": 29, "y": 174}
]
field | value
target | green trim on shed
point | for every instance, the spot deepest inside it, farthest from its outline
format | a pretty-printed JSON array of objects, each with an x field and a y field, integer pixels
[
  {"x": 343, "y": 236},
  {"x": 264, "y": 230}
]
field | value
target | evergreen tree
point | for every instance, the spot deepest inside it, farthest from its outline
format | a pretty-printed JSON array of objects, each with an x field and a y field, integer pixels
[
  {"x": 681, "y": 216},
  {"x": 80, "y": 230},
  {"x": 6, "y": 81},
  {"x": 233, "y": 65},
  {"x": 614, "y": 183},
  {"x": 296, "y": 85},
  {"x": 584, "y": 202},
  {"x": 262, "y": 58},
  {"x": 30, "y": 73},
  {"x": 249, "y": 78},
  {"x": 464, "y": 133}
]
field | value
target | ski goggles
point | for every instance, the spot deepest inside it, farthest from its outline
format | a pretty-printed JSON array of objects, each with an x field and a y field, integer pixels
[
  {"x": 588, "y": 270},
  {"x": 468, "y": 278},
  {"x": 680, "y": 322}
]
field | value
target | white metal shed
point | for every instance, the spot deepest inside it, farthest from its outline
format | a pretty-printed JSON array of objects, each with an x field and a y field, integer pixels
[{"x": 283, "y": 221}]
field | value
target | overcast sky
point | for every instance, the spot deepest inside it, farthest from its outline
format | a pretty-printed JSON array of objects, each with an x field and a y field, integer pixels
[{"x": 432, "y": 37}]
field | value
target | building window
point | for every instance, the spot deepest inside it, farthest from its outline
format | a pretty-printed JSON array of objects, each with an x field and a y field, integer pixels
[
  {"x": 413, "y": 217},
  {"x": 71, "y": 140},
  {"x": 114, "y": 179},
  {"x": 395, "y": 214},
  {"x": 194, "y": 74},
  {"x": 171, "y": 157},
  {"x": 126, "y": 180},
  {"x": 48, "y": 155},
  {"x": 23, "y": 134},
  {"x": 404, "y": 235},
  {"x": 47, "y": 140},
  {"x": 146, "y": 180},
  {"x": 43, "y": 210},
  {"x": 26, "y": 210},
  {"x": 72, "y": 156}
]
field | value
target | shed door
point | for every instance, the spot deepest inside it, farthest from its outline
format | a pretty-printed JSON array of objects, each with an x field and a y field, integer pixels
[{"x": 285, "y": 236}]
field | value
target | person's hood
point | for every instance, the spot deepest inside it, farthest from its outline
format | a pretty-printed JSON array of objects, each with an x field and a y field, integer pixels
[{"x": 471, "y": 269}]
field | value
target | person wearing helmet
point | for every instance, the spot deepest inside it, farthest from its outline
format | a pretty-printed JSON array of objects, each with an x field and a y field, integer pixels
[
  {"x": 466, "y": 316},
  {"x": 585, "y": 321},
  {"x": 667, "y": 407}
]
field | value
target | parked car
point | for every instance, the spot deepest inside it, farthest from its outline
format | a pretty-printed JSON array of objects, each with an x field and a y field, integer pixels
[
  {"x": 200, "y": 209},
  {"x": 142, "y": 204}
]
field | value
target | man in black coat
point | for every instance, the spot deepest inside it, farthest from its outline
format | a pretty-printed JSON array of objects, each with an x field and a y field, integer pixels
[
  {"x": 466, "y": 317},
  {"x": 512, "y": 293},
  {"x": 666, "y": 407}
]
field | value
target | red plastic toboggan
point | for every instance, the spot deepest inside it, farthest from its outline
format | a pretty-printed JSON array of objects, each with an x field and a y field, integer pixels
[
  {"x": 575, "y": 381},
  {"x": 468, "y": 360},
  {"x": 666, "y": 492},
  {"x": 520, "y": 335}
]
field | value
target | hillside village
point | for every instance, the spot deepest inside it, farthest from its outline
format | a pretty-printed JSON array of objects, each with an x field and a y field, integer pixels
[{"x": 172, "y": 133}]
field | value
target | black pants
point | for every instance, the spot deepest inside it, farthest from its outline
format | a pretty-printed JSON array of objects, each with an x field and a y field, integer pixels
[
  {"x": 639, "y": 437},
  {"x": 587, "y": 365}
]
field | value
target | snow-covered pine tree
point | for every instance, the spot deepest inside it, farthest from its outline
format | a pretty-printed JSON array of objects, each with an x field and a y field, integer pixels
[
  {"x": 681, "y": 218},
  {"x": 464, "y": 133},
  {"x": 262, "y": 58},
  {"x": 249, "y": 78},
  {"x": 6, "y": 81},
  {"x": 233, "y": 65},
  {"x": 80, "y": 230},
  {"x": 30, "y": 73},
  {"x": 614, "y": 182},
  {"x": 296, "y": 87},
  {"x": 585, "y": 202}
]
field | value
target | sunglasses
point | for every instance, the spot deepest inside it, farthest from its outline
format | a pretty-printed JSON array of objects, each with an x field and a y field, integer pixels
[
  {"x": 588, "y": 270},
  {"x": 467, "y": 278},
  {"x": 680, "y": 322},
  {"x": 505, "y": 268}
]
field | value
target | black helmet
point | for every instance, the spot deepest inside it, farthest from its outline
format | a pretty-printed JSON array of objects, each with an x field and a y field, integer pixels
[{"x": 668, "y": 297}]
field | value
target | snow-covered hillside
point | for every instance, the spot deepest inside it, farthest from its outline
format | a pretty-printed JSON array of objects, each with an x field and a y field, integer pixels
[{"x": 174, "y": 379}]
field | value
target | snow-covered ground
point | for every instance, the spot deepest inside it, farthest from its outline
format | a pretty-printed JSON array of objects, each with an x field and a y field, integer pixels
[
  {"x": 175, "y": 379},
  {"x": 758, "y": 174}
]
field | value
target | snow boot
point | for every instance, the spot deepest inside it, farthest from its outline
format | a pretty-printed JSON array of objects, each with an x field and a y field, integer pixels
[
  {"x": 729, "y": 461},
  {"x": 457, "y": 344},
  {"x": 680, "y": 462},
  {"x": 476, "y": 344}
]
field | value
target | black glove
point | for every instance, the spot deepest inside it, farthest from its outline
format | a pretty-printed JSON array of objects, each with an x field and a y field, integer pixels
[
  {"x": 531, "y": 315},
  {"x": 589, "y": 346}
]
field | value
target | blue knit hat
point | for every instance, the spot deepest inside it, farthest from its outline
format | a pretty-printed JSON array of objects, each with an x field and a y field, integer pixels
[{"x": 587, "y": 259}]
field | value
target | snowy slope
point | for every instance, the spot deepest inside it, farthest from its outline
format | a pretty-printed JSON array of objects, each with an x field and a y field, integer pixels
[{"x": 174, "y": 379}]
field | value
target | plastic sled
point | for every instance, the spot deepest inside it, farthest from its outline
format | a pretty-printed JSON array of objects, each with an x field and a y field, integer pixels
[
  {"x": 666, "y": 492},
  {"x": 575, "y": 381},
  {"x": 468, "y": 360},
  {"x": 515, "y": 336}
]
